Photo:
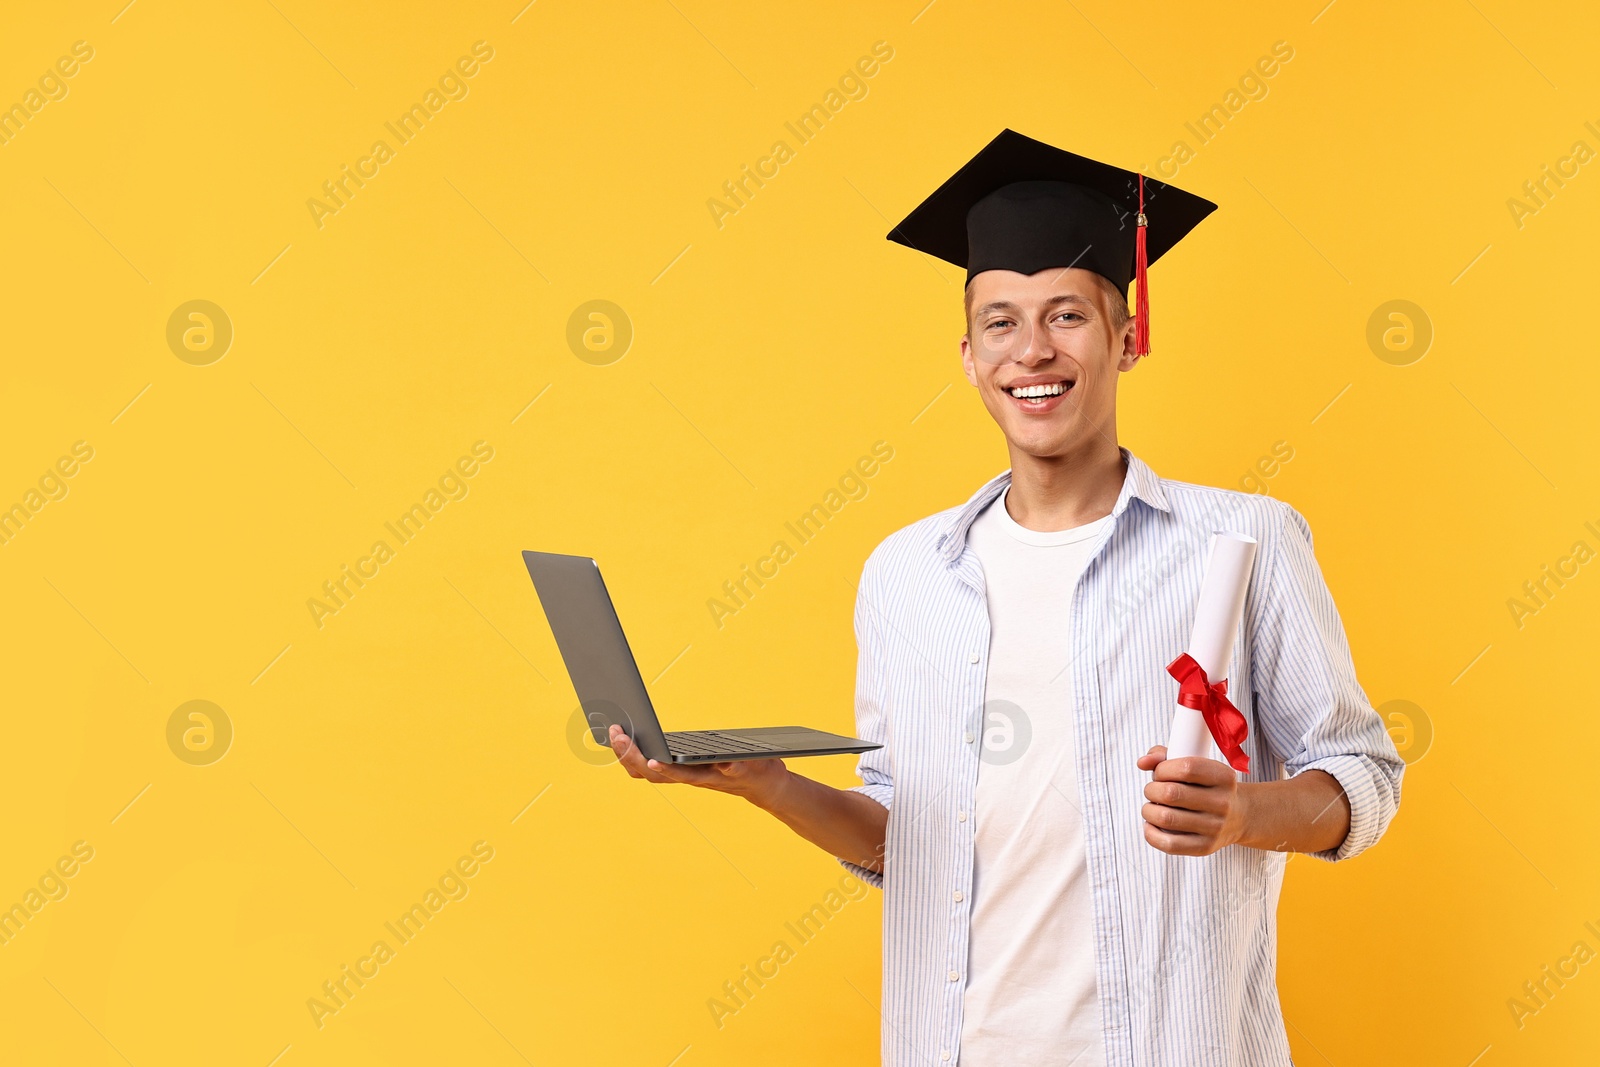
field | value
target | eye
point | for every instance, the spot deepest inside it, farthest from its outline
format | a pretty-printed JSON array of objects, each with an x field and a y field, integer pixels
[
  {"x": 997, "y": 323},
  {"x": 1069, "y": 315}
]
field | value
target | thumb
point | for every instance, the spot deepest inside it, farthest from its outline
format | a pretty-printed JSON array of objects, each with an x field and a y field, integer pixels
[{"x": 1148, "y": 761}]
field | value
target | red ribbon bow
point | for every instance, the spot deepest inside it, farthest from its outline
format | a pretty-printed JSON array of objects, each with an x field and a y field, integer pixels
[{"x": 1225, "y": 721}]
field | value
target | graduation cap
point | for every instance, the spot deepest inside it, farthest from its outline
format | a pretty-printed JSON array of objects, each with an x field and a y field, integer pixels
[{"x": 1026, "y": 206}]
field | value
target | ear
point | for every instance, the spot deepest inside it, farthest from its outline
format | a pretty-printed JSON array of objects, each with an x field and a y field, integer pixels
[
  {"x": 1128, "y": 356},
  {"x": 966, "y": 361}
]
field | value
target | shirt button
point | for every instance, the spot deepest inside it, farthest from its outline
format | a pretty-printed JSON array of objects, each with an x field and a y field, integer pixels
[
  {"x": 960, "y": 896},
  {"x": 961, "y": 816},
  {"x": 954, "y": 977},
  {"x": 968, "y": 737},
  {"x": 974, "y": 658},
  {"x": 944, "y": 1054}
]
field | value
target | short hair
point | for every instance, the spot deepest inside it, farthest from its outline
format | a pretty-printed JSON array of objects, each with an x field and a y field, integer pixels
[{"x": 1114, "y": 300}]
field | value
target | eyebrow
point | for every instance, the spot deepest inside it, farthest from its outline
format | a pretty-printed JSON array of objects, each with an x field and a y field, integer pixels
[{"x": 1006, "y": 305}]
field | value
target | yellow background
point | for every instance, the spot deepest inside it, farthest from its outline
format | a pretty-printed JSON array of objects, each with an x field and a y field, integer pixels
[{"x": 768, "y": 354}]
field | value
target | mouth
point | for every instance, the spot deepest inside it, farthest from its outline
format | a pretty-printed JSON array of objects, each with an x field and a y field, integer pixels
[{"x": 1038, "y": 397}]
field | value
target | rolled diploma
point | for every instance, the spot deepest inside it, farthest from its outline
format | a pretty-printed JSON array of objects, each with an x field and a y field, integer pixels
[{"x": 1216, "y": 620}]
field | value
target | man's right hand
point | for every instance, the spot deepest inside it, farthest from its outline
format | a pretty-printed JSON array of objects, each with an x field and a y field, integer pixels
[
  {"x": 757, "y": 780},
  {"x": 843, "y": 822}
]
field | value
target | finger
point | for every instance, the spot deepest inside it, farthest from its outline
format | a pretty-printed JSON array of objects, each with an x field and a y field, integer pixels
[
  {"x": 1195, "y": 769},
  {"x": 1187, "y": 796},
  {"x": 628, "y": 753},
  {"x": 682, "y": 773},
  {"x": 633, "y": 760},
  {"x": 627, "y": 756},
  {"x": 1179, "y": 821},
  {"x": 1177, "y": 844}
]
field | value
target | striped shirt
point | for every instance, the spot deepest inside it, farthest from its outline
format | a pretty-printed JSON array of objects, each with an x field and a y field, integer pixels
[{"x": 1185, "y": 948}]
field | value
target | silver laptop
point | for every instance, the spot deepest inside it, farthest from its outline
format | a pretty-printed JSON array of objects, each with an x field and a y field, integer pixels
[{"x": 611, "y": 690}]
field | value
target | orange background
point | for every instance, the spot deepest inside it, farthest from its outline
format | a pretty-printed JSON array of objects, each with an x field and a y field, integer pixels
[{"x": 430, "y": 712}]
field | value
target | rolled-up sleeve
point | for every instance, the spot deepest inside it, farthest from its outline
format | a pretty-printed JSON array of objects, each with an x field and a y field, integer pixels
[
  {"x": 1311, "y": 711},
  {"x": 872, "y": 723}
]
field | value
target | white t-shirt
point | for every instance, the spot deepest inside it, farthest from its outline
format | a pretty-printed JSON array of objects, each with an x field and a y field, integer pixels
[{"x": 1031, "y": 994}]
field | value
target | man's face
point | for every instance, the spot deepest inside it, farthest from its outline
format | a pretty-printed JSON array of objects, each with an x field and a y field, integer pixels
[{"x": 1050, "y": 333}]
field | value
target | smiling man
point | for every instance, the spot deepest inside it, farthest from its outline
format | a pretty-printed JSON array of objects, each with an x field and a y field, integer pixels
[{"x": 1056, "y": 890}]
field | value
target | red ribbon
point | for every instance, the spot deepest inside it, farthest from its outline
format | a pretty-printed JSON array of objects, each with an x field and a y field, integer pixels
[
  {"x": 1141, "y": 293},
  {"x": 1210, "y": 699}
]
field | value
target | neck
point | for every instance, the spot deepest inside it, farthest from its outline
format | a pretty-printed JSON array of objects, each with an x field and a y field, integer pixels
[{"x": 1060, "y": 492}]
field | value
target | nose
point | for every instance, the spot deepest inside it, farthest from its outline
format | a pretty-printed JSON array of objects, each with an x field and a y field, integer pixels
[{"x": 1036, "y": 346}]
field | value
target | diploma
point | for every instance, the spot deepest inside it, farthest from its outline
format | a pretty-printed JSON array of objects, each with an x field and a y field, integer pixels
[{"x": 1204, "y": 713}]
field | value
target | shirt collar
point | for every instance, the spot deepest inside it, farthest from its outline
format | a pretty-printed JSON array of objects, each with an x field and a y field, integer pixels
[{"x": 1139, "y": 482}]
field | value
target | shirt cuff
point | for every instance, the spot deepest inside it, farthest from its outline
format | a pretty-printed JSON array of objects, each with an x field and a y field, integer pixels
[
  {"x": 1368, "y": 790},
  {"x": 883, "y": 794}
]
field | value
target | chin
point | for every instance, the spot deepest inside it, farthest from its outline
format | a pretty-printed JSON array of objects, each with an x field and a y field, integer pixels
[{"x": 1043, "y": 443}]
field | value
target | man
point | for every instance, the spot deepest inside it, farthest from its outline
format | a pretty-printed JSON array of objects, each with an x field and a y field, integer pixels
[{"x": 1013, "y": 664}]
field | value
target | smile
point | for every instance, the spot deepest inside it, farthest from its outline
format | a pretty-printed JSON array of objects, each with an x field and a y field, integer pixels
[
  {"x": 1037, "y": 398},
  {"x": 1037, "y": 392}
]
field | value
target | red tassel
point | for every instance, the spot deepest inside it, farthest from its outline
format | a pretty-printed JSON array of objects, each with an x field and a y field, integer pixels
[{"x": 1141, "y": 329}]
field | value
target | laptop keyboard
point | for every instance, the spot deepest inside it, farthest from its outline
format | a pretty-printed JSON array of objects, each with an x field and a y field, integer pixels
[{"x": 713, "y": 743}]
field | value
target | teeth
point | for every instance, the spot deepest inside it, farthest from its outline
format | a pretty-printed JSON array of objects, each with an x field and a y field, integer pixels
[{"x": 1035, "y": 391}]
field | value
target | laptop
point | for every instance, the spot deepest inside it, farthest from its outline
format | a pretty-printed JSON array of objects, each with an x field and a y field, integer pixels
[{"x": 611, "y": 690}]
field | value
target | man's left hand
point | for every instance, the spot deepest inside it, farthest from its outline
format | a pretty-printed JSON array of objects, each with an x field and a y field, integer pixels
[{"x": 1195, "y": 806}]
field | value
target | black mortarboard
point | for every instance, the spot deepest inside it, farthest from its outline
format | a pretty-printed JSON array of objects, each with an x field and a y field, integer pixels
[{"x": 1023, "y": 205}]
